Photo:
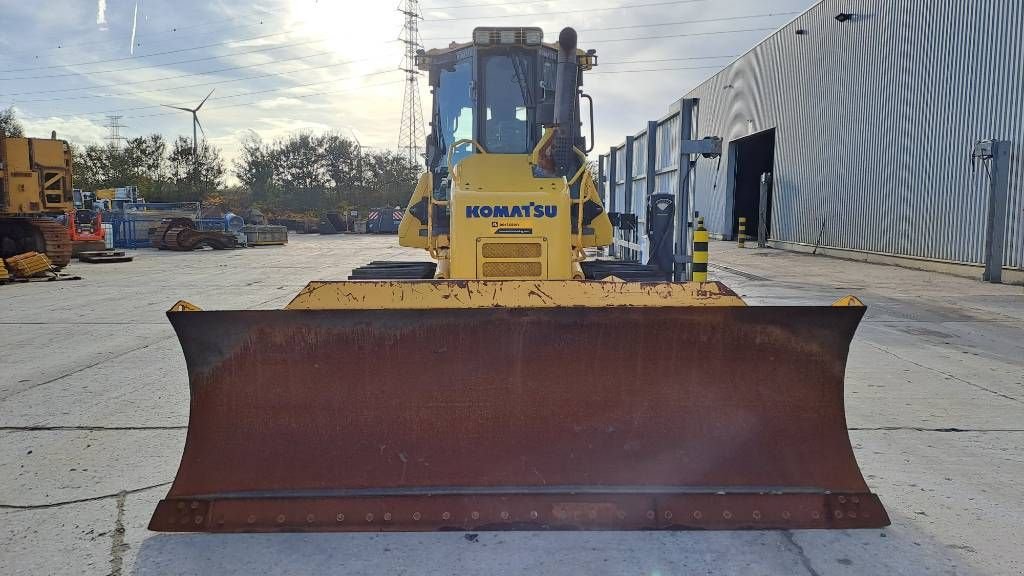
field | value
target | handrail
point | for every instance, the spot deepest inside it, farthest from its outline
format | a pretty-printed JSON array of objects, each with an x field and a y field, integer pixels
[
  {"x": 579, "y": 204},
  {"x": 451, "y": 150}
]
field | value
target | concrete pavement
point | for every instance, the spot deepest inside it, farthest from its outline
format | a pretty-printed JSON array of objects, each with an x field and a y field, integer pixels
[{"x": 94, "y": 404}]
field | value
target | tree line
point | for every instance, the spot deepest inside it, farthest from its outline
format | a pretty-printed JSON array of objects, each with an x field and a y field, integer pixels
[{"x": 301, "y": 173}]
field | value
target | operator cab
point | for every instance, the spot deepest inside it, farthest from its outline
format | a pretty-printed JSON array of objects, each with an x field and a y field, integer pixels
[{"x": 498, "y": 90}]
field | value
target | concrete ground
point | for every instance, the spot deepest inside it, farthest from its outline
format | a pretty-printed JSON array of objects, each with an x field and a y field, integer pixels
[{"x": 94, "y": 404}]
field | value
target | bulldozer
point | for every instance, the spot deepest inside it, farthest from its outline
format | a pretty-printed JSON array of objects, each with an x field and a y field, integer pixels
[
  {"x": 35, "y": 191},
  {"x": 500, "y": 387}
]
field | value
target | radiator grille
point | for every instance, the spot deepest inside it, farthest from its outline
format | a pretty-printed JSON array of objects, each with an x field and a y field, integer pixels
[
  {"x": 511, "y": 269},
  {"x": 509, "y": 250}
]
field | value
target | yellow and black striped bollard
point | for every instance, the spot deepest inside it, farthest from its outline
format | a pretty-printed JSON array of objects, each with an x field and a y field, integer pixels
[
  {"x": 700, "y": 252},
  {"x": 741, "y": 238}
]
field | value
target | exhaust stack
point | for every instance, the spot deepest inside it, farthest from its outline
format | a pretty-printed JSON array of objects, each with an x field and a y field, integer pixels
[{"x": 566, "y": 79}]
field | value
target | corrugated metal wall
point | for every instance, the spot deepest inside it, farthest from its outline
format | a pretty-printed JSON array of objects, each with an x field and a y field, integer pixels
[{"x": 875, "y": 119}]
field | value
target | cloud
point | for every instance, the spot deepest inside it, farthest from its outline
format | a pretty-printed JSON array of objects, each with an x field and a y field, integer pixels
[
  {"x": 279, "y": 102},
  {"x": 77, "y": 129}
]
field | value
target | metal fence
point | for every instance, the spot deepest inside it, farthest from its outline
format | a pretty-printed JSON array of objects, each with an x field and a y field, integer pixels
[
  {"x": 646, "y": 163},
  {"x": 131, "y": 224}
]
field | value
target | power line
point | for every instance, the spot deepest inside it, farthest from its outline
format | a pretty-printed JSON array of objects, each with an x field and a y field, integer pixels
[
  {"x": 184, "y": 76},
  {"x": 173, "y": 31},
  {"x": 297, "y": 96},
  {"x": 249, "y": 93},
  {"x": 304, "y": 85},
  {"x": 531, "y": 14},
  {"x": 704, "y": 21},
  {"x": 162, "y": 64},
  {"x": 678, "y": 22},
  {"x": 164, "y": 53},
  {"x": 688, "y": 35},
  {"x": 668, "y": 60},
  {"x": 718, "y": 67},
  {"x": 491, "y": 5},
  {"x": 205, "y": 84}
]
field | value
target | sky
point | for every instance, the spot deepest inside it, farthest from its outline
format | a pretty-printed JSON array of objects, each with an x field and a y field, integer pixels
[{"x": 278, "y": 67}]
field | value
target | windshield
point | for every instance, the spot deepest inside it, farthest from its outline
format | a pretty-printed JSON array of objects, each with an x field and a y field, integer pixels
[
  {"x": 507, "y": 97},
  {"x": 454, "y": 113}
]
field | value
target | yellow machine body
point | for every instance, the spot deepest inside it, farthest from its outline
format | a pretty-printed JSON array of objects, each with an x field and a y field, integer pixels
[
  {"x": 457, "y": 294},
  {"x": 507, "y": 223},
  {"x": 35, "y": 188},
  {"x": 35, "y": 176}
]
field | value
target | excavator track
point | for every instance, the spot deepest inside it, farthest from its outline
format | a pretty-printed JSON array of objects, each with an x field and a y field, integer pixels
[
  {"x": 58, "y": 243},
  {"x": 46, "y": 235}
]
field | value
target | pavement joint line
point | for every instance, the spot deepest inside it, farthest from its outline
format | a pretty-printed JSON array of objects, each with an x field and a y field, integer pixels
[
  {"x": 83, "y": 323},
  {"x": 35, "y": 428},
  {"x": 117, "y": 544},
  {"x": 939, "y": 322},
  {"x": 740, "y": 273},
  {"x": 787, "y": 535},
  {"x": 937, "y": 371},
  {"x": 118, "y": 494},
  {"x": 922, "y": 429},
  {"x": 93, "y": 365}
]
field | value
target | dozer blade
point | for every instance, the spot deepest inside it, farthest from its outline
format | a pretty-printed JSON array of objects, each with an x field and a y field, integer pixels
[{"x": 619, "y": 418}]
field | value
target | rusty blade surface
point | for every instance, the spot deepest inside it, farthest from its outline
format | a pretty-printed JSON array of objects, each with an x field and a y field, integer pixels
[{"x": 571, "y": 418}]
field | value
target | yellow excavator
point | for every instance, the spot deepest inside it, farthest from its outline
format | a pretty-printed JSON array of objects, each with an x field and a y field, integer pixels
[
  {"x": 501, "y": 385},
  {"x": 35, "y": 190}
]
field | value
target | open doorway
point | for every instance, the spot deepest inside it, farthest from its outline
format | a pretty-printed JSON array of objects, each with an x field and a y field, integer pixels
[{"x": 752, "y": 156}]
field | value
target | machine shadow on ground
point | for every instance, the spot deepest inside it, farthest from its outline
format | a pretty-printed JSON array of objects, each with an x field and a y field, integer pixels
[{"x": 898, "y": 550}]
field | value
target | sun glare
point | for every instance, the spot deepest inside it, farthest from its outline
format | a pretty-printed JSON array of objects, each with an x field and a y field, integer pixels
[{"x": 351, "y": 29}]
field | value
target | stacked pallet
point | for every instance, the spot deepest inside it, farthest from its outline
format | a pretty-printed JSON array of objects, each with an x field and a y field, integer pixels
[{"x": 29, "y": 264}]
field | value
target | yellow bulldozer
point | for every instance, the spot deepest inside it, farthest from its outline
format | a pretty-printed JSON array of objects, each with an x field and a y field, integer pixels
[
  {"x": 35, "y": 190},
  {"x": 500, "y": 385}
]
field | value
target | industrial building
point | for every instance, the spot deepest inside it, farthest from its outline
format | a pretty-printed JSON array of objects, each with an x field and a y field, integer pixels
[{"x": 871, "y": 118}]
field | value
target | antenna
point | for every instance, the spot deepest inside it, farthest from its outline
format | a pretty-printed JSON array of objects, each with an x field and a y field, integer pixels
[
  {"x": 114, "y": 124},
  {"x": 410, "y": 132}
]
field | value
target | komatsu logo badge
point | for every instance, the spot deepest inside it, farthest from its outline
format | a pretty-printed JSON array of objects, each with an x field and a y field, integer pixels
[{"x": 531, "y": 210}]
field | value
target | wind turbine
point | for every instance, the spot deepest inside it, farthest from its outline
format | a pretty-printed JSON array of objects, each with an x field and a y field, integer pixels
[{"x": 195, "y": 121}]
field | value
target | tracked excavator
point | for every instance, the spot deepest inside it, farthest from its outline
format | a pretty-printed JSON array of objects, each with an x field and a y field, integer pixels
[
  {"x": 35, "y": 190},
  {"x": 498, "y": 386}
]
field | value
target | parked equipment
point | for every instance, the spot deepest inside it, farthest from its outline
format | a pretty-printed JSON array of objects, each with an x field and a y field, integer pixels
[
  {"x": 334, "y": 223},
  {"x": 85, "y": 227},
  {"x": 35, "y": 191},
  {"x": 384, "y": 220},
  {"x": 520, "y": 390},
  {"x": 180, "y": 234},
  {"x": 265, "y": 235}
]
